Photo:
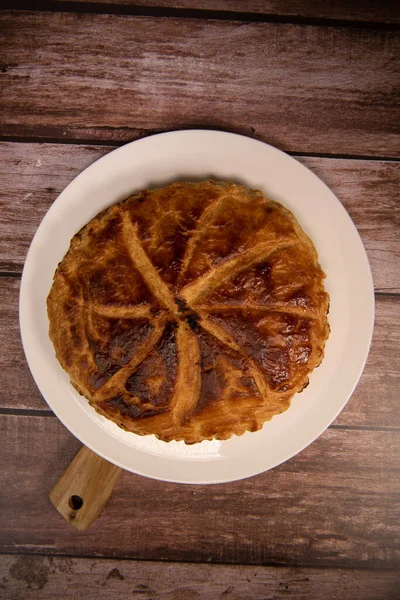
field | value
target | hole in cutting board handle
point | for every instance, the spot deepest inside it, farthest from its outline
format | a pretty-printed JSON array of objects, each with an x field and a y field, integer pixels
[{"x": 75, "y": 502}]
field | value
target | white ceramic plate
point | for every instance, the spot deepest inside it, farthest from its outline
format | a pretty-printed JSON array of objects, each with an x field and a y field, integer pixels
[{"x": 196, "y": 155}]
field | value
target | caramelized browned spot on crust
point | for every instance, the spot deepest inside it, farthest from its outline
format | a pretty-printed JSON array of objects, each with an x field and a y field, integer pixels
[
  {"x": 280, "y": 343},
  {"x": 267, "y": 284},
  {"x": 113, "y": 342},
  {"x": 118, "y": 408},
  {"x": 154, "y": 379},
  {"x": 190, "y": 312},
  {"x": 225, "y": 374},
  {"x": 238, "y": 224}
]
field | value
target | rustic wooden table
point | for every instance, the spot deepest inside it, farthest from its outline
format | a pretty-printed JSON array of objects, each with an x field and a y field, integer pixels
[{"x": 318, "y": 80}]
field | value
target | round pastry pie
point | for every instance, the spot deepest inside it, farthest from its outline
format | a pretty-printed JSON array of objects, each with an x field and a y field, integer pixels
[{"x": 191, "y": 312}]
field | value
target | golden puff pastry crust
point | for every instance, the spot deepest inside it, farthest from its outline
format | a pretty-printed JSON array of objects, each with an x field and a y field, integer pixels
[{"x": 191, "y": 312}]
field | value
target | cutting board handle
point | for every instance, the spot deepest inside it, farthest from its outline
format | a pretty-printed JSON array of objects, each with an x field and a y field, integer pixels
[{"x": 84, "y": 488}]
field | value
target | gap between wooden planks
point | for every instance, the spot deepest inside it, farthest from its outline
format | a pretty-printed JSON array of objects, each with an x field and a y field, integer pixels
[
  {"x": 32, "y": 175},
  {"x": 373, "y": 403},
  {"x": 320, "y": 12},
  {"x": 333, "y": 505},
  {"x": 301, "y": 88},
  {"x": 56, "y": 578}
]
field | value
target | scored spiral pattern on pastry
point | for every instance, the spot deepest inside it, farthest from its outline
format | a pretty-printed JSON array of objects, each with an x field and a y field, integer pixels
[{"x": 192, "y": 312}]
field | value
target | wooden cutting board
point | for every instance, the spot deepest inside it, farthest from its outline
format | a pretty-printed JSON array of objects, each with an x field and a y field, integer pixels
[{"x": 84, "y": 488}]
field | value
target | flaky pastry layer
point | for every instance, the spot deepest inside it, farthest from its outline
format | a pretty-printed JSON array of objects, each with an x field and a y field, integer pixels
[{"x": 191, "y": 312}]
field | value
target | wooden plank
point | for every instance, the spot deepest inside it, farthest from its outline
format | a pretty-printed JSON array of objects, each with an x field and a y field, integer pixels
[
  {"x": 302, "y": 88},
  {"x": 374, "y": 402},
  {"x": 31, "y": 178},
  {"x": 32, "y": 175},
  {"x": 18, "y": 389},
  {"x": 356, "y": 10},
  {"x": 334, "y": 505},
  {"x": 370, "y": 192},
  {"x": 375, "y": 399},
  {"x": 55, "y": 578}
]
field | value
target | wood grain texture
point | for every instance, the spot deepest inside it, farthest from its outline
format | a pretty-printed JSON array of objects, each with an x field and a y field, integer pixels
[
  {"x": 32, "y": 175},
  {"x": 335, "y": 504},
  {"x": 84, "y": 488},
  {"x": 357, "y": 10},
  {"x": 17, "y": 389},
  {"x": 302, "y": 88},
  {"x": 57, "y": 578},
  {"x": 31, "y": 178},
  {"x": 370, "y": 192}
]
